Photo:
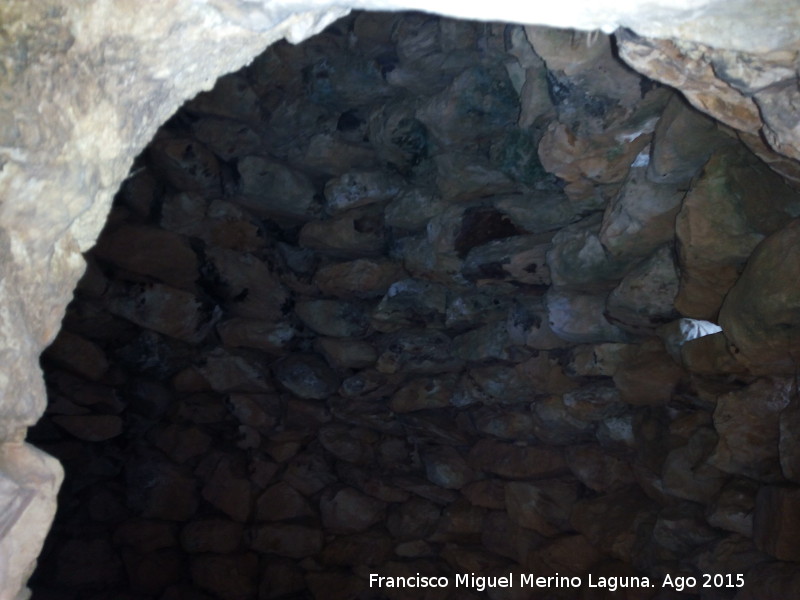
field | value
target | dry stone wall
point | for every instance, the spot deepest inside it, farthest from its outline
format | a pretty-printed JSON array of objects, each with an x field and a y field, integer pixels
[{"x": 437, "y": 297}]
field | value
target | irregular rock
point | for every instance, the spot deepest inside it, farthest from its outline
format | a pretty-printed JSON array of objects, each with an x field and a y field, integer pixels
[
  {"x": 346, "y": 354},
  {"x": 358, "y": 233},
  {"x": 597, "y": 469},
  {"x": 246, "y": 284},
  {"x": 161, "y": 490},
  {"x": 308, "y": 473},
  {"x": 517, "y": 259},
  {"x": 333, "y": 318},
  {"x": 186, "y": 164},
  {"x": 350, "y": 444},
  {"x": 270, "y": 189},
  {"x": 684, "y": 139},
  {"x": 415, "y": 519},
  {"x": 224, "y": 372},
  {"x": 544, "y": 506},
  {"x": 649, "y": 376},
  {"x": 758, "y": 315},
  {"x": 360, "y": 278},
  {"x": 227, "y": 577},
  {"x": 153, "y": 572},
  {"x": 359, "y": 188},
  {"x": 597, "y": 359},
  {"x": 570, "y": 554},
  {"x": 211, "y": 535},
  {"x": 467, "y": 309},
  {"x": 78, "y": 355},
  {"x": 358, "y": 549},
  {"x": 164, "y": 309},
  {"x": 423, "y": 394},
  {"x": 90, "y": 428},
  {"x": 306, "y": 376},
  {"x": 594, "y": 402},
  {"x": 486, "y": 493},
  {"x": 411, "y": 303},
  {"x": 229, "y": 490},
  {"x": 426, "y": 351},
  {"x": 733, "y": 509},
  {"x": 516, "y": 462},
  {"x": 501, "y": 535},
  {"x": 730, "y": 207},
  {"x": 445, "y": 467},
  {"x": 776, "y": 523},
  {"x": 686, "y": 473},
  {"x": 226, "y": 138},
  {"x": 412, "y": 209},
  {"x": 261, "y": 335},
  {"x": 286, "y": 539},
  {"x": 747, "y": 422},
  {"x": 347, "y": 510},
  {"x": 580, "y": 318},
  {"x": 679, "y": 332},
  {"x": 681, "y": 528},
  {"x": 527, "y": 324},
  {"x": 281, "y": 502},
  {"x": 644, "y": 298}
]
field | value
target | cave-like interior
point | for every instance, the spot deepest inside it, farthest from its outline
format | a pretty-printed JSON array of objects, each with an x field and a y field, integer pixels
[{"x": 421, "y": 297}]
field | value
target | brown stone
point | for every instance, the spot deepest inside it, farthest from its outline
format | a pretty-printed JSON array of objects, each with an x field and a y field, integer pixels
[
  {"x": 232, "y": 577},
  {"x": 281, "y": 502},
  {"x": 360, "y": 278},
  {"x": 228, "y": 489},
  {"x": 346, "y": 354},
  {"x": 733, "y": 509},
  {"x": 78, "y": 355},
  {"x": 286, "y": 539},
  {"x": 162, "y": 255},
  {"x": 182, "y": 442},
  {"x": 776, "y": 523},
  {"x": 145, "y": 536},
  {"x": 161, "y": 490},
  {"x": 355, "y": 234},
  {"x": 486, "y": 493},
  {"x": 597, "y": 469},
  {"x": 346, "y": 510},
  {"x": 308, "y": 473},
  {"x": 516, "y": 462},
  {"x": 261, "y": 335},
  {"x": 748, "y": 425},
  {"x": 415, "y": 519},
  {"x": 334, "y": 318},
  {"x": 91, "y": 428},
  {"x": 648, "y": 377},
  {"x": 186, "y": 163},
  {"x": 446, "y": 467},
  {"x": 218, "y": 536},
  {"x": 544, "y": 506}
]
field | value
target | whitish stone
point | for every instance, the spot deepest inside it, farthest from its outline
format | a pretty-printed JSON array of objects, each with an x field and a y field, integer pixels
[
  {"x": 580, "y": 318},
  {"x": 347, "y": 510},
  {"x": 527, "y": 324},
  {"x": 759, "y": 315},
  {"x": 164, "y": 309},
  {"x": 747, "y": 422},
  {"x": 776, "y": 523},
  {"x": 334, "y": 318},
  {"x": 357, "y": 233},
  {"x": 676, "y": 333},
  {"x": 270, "y": 189},
  {"x": 543, "y": 506},
  {"x": 361, "y": 278},
  {"x": 306, "y": 376},
  {"x": 358, "y": 188}
]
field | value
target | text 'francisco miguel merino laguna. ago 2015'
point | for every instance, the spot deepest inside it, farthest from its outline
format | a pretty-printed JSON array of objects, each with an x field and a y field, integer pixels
[{"x": 529, "y": 580}]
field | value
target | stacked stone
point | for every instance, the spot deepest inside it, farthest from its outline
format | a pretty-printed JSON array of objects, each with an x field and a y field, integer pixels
[{"x": 422, "y": 296}]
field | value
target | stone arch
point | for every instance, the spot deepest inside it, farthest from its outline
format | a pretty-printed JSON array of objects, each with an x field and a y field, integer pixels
[{"x": 85, "y": 87}]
